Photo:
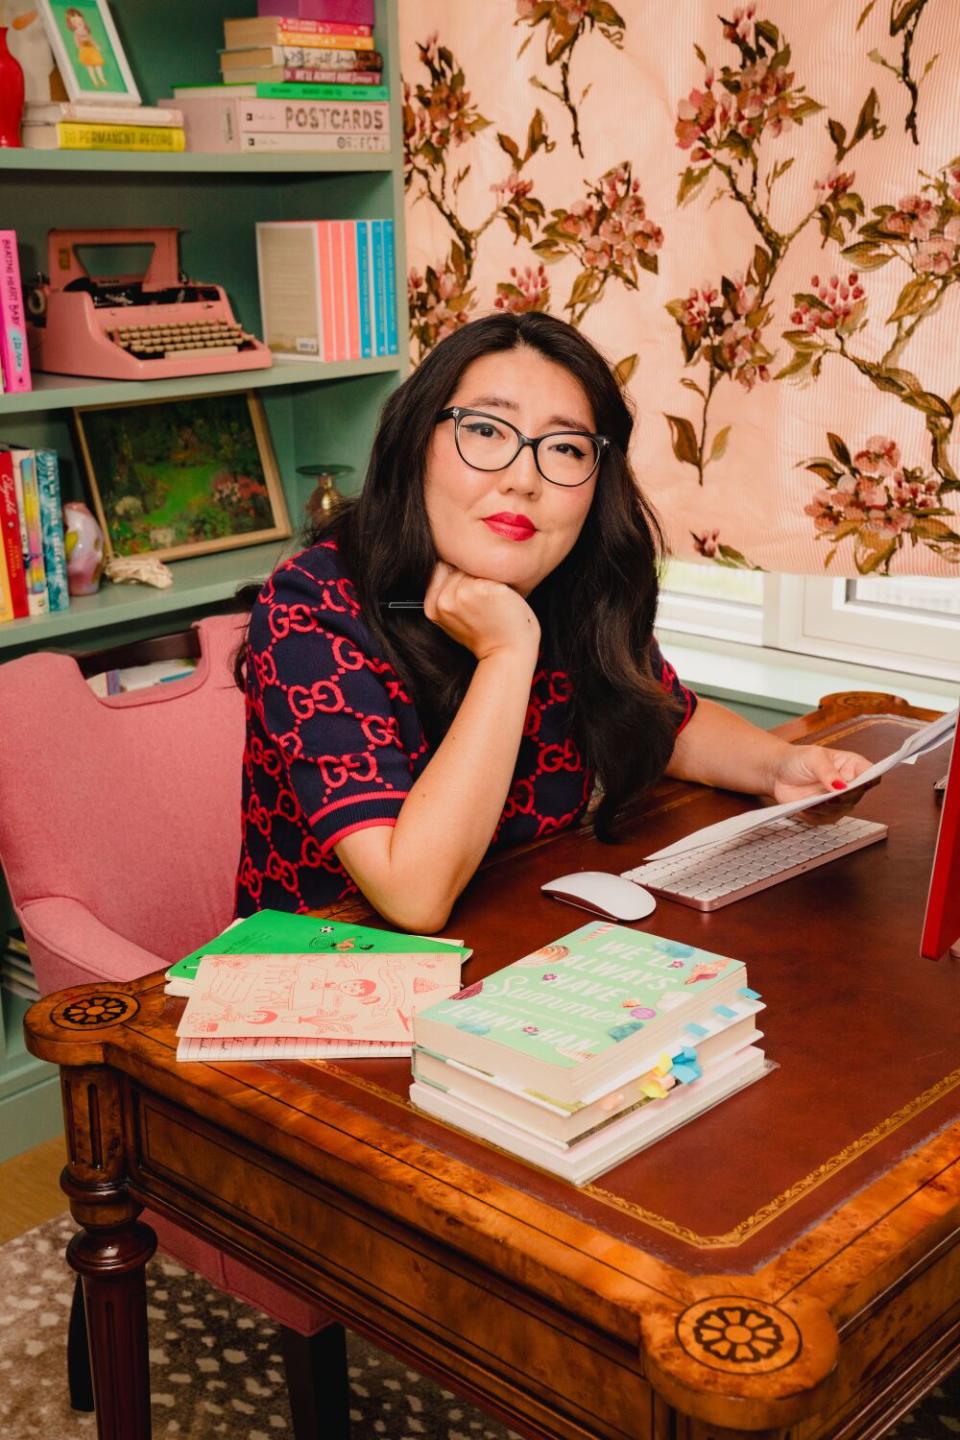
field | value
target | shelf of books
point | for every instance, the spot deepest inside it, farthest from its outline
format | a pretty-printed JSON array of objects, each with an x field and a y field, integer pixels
[
  {"x": 65, "y": 392},
  {"x": 241, "y": 239}
]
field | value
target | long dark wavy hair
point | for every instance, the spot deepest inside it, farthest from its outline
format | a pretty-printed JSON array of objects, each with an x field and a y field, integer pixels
[{"x": 596, "y": 609}]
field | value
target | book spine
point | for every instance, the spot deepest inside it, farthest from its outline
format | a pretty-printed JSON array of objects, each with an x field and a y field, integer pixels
[
  {"x": 13, "y": 332},
  {"x": 307, "y": 75},
  {"x": 289, "y": 31},
  {"x": 72, "y": 135},
  {"x": 337, "y": 280},
  {"x": 362, "y": 241},
  {"x": 353, "y": 12},
  {"x": 380, "y": 329},
  {"x": 10, "y": 537},
  {"x": 28, "y": 501},
  {"x": 300, "y": 39},
  {"x": 350, "y": 287},
  {"x": 329, "y": 58},
  {"x": 354, "y": 85},
  {"x": 51, "y": 529},
  {"x": 56, "y": 111},
  {"x": 316, "y": 143},
  {"x": 390, "y": 286},
  {"x": 325, "y": 275},
  {"x": 6, "y": 593},
  {"x": 310, "y": 118}
]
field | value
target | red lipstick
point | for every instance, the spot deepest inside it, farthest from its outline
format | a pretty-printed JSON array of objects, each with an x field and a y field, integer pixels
[{"x": 511, "y": 527}]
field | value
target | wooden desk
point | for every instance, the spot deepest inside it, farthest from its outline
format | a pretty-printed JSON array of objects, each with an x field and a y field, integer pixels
[{"x": 787, "y": 1264}]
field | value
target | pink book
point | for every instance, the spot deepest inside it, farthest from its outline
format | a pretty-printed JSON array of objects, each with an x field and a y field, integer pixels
[
  {"x": 349, "y": 12},
  {"x": 325, "y": 269},
  {"x": 13, "y": 329},
  {"x": 351, "y": 291},
  {"x": 339, "y": 307},
  {"x": 345, "y": 996}
]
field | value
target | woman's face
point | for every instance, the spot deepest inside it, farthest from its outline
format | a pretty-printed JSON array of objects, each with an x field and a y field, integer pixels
[{"x": 508, "y": 525}]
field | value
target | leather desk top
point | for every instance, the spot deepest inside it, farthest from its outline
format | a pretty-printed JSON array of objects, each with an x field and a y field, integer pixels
[{"x": 864, "y": 1032}]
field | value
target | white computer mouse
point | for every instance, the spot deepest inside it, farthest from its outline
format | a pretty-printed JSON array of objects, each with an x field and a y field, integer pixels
[{"x": 605, "y": 894}]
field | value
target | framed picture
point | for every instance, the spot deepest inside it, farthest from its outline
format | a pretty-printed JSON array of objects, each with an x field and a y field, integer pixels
[
  {"x": 87, "y": 50},
  {"x": 173, "y": 478}
]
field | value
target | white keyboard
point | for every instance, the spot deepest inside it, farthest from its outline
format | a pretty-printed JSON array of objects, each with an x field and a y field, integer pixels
[{"x": 718, "y": 874}]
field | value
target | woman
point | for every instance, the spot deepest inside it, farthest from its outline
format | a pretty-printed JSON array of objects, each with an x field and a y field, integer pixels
[{"x": 468, "y": 647}]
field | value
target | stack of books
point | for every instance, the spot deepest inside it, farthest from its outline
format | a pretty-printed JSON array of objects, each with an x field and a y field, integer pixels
[
  {"x": 89, "y": 125},
  {"x": 328, "y": 288},
  {"x": 16, "y": 971},
  {"x": 292, "y": 83},
  {"x": 298, "y": 987},
  {"x": 14, "y": 357},
  {"x": 581, "y": 1054},
  {"x": 33, "y": 562}
]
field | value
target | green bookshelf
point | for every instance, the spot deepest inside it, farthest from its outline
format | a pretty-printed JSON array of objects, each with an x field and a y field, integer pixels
[{"x": 315, "y": 411}]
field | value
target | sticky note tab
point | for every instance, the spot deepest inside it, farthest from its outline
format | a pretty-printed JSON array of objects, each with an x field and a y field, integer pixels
[
  {"x": 699, "y": 1032},
  {"x": 685, "y": 1057},
  {"x": 749, "y": 994},
  {"x": 725, "y": 1012},
  {"x": 653, "y": 1089},
  {"x": 663, "y": 1065},
  {"x": 686, "y": 1074}
]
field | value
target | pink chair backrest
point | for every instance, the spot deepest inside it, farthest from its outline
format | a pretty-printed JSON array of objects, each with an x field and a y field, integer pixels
[{"x": 130, "y": 805}]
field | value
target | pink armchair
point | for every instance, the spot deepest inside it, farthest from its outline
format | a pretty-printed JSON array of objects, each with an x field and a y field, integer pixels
[{"x": 119, "y": 838}]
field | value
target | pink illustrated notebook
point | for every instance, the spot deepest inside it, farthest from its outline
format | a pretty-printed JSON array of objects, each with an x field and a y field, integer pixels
[{"x": 330, "y": 997}]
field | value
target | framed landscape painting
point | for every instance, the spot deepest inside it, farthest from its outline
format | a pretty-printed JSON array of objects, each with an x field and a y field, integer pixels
[
  {"x": 87, "y": 50},
  {"x": 173, "y": 478}
]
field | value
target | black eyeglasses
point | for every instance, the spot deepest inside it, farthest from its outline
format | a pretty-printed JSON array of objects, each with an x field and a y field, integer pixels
[{"x": 485, "y": 442}]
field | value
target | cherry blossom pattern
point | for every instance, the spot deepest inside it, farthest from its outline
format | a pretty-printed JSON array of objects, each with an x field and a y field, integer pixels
[
  {"x": 876, "y": 501},
  {"x": 609, "y": 235},
  {"x": 721, "y": 327},
  {"x": 527, "y": 289},
  {"x": 710, "y": 547},
  {"x": 727, "y": 125},
  {"x": 902, "y": 22},
  {"x": 438, "y": 118},
  {"x": 565, "y": 22}
]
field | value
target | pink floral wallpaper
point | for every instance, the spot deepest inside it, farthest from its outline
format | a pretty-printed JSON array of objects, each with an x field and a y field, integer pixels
[{"x": 754, "y": 213}]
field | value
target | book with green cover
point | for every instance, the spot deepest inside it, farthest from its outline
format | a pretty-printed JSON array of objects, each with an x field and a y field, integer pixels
[
  {"x": 281, "y": 90},
  {"x": 278, "y": 932},
  {"x": 570, "y": 1018}
]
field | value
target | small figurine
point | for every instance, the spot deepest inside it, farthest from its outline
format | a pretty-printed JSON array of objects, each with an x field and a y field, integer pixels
[{"x": 83, "y": 543}]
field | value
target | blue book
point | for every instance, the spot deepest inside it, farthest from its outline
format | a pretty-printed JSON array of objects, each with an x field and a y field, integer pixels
[
  {"x": 363, "y": 286},
  {"x": 390, "y": 286},
  {"x": 51, "y": 529},
  {"x": 379, "y": 305}
]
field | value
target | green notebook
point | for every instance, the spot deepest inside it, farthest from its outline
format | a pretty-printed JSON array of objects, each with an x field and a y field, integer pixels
[
  {"x": 572, "y": 1016},
  {"x": 277, "y": 932}
]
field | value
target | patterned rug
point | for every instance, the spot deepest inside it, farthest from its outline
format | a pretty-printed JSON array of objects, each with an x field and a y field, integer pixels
[{"x": 216, "y": 1369}]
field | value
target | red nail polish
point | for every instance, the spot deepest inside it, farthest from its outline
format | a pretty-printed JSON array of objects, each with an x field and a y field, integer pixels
[{"x": 838, "y": 784}]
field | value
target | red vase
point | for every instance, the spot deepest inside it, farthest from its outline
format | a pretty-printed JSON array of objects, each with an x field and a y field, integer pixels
[{"x": 11, "y": 94}]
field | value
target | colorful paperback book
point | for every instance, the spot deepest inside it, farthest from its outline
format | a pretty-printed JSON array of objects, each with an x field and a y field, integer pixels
[
  {"x": 292, "y": 44},
  {"x": 10, "y": 537},
  {"x": 362, "y": 87},
  {"x": 74, "y": 135},
  {"x": 362, "y": 244},
  {"x": 390, "y": 287},
  {"x": 346, "y": 996},
  {"x": 14, "y": 359},
  {"x": 226, "y": 116},
  {"x": 599, "y": 1152},
  {"x": 6, "y": 593},
  {"x": 278, "y": 932},
  {"x": 679, "y": 1060},
  {"x": 379, "y": 289},
  {"x": 570, "y": 1020},
  {"x": 51, "y": 529},
  {"x": 278, "y": 30},
  {"x": 346, "y": 12},
  {"x": 50, "y": 112},
  {"x": 299, "y": 75},
  {"x": 300, "y": 56},
  {"x": 31, "y": 535},
  {"x": 289, "y": 1047}
]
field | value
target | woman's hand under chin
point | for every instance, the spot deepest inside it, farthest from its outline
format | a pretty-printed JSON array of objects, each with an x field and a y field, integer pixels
[
  {"x": 485, "y": 616},
  {"x": 803, "y": 771}
]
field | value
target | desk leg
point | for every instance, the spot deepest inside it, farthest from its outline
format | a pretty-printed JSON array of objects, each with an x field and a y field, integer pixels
[{"x": 109, "y": 1252}]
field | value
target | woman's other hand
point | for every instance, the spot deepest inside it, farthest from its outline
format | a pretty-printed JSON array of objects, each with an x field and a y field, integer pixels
[
  {"x": 485, "y": 616},
  {"x": 803, "y": 771}
]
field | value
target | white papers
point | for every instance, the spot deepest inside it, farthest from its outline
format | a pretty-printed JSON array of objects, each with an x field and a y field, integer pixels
[{"x": 920, "y": 742}]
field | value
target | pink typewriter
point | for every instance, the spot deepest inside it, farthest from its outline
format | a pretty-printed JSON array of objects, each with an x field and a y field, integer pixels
[{"x": 133, "y": 327}]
